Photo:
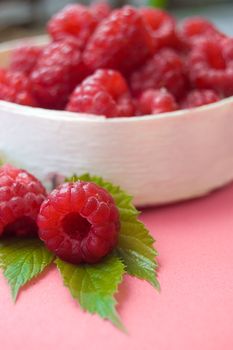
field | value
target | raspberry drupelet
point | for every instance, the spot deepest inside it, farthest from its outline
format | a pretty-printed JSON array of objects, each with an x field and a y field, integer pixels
[
  {"x": 79, "y": 222},
  {"x": 122, "y": 41},
  {"x": 16, "y": 87},
  {"x": 194, "y": 28},
  {"x": 59, "y": 69},
  {"x": 157, "y": 101},
  {"x": 100, "y": 10},
  {"x": 24, "y": 58},
  {"x": 21, "y": 195},
  {"x": 103, "y": 93},
  {"x": 197, "y": 98},
  {"x": 212, "y": 65},
  {"x": 165, "y": 69},
  {"x": 74, "y": 20},
  {"x": 162, "y": 26}
]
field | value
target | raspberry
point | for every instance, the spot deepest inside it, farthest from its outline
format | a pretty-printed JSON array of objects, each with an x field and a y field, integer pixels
[
  {"x": 112, "y": 81},
  {"x": 197, "y": 98},
  {"x": 197, "y": 27},
  {"x": 59, "y": 69},
  {"x": 162, "y": 25},
  {"x": 79, "y": 222},
  {"x": 92, "y": 99},
  {"x": 24, "y": 58},
  {"x": 15, "y": 87},
  {"x": 104, "y": 93},
  {"x": 211, "y": 65},
  {"x": 122, "y": 41},
  {"x": 165, "y": 69},
  {"x": 21, "y": 195},
  {"x": 2, "y": 75},
  {"x": 157, "y": 101},
  {"x": 74, "y": 20},
  {"x": 100, "y": 10}
]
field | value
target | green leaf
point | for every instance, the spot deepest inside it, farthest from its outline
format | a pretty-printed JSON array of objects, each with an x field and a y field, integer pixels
[
  {"x": 135, "y": 246},
  {"x": 158, "y": 3},
  {"x": 122, "y": 199},
  {"x": 22, "y": 260},
  {"x": 94, "y": 286}
]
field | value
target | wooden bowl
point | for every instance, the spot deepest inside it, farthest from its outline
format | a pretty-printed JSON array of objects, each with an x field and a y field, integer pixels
[{"x": 157, "y": 158}]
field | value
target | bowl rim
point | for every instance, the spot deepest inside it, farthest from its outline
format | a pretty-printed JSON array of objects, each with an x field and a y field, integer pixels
[{"x": 90, "y": 118}]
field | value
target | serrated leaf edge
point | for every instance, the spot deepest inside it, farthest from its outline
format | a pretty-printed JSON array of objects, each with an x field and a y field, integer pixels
[{"x": 116, "y": 320}]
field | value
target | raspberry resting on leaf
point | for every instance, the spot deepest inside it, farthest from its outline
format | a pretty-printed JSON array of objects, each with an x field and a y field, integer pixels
[
  {"x": 21, "y": 195},
  {"x": 79, "y": 222},
  {"x": 121, "y": 41}
]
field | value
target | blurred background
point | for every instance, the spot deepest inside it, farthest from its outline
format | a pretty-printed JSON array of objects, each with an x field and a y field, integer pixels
[{"x": 20, "y": 18}]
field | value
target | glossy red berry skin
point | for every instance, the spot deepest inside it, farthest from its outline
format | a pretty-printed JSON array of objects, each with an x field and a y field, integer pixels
[
  {"x": 162, "y": 26},
  {"x": 101, "y": 10},
  {"x": 212, "y": 65},
  {"x": 197, "y": 98},
  {"x": 59, "y": 69},
  {"x": 24, "y": 58},
  {"x": 16, "y": 87},
  {"x": 21, "y": 195},
  {"x": 103, "y": 93},
  {"x": 79, "y": 222},
  {"x": 194, "y": 28},
  {"x": 92, "y": 99},
  {"x": 74, "y": 20},
  {"x": 122, "y": 41},
  {"x": 156, "y": 102},
  {"x": 165, "y": 69}
]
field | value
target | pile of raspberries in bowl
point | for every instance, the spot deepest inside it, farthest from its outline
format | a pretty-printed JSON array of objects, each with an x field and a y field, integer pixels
[{"x": 121, "y": 63}]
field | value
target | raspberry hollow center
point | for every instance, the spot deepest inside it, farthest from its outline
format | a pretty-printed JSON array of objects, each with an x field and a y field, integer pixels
[{"x": 75, "y": 225}]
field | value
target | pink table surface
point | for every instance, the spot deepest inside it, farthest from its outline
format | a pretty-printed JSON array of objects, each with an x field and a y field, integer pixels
[{"x": 193, "y": 311}]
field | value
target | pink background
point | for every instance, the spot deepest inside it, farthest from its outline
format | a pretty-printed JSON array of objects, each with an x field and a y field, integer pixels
[{"x": 193, "y": 311}]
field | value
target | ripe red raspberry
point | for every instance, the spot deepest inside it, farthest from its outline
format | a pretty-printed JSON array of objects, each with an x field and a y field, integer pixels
[
  {"x": 211, "y": 65},
  {"x": 2, "y": 75},
  {"x": 16, "y": 87},
  {"x": 79, "y": 222},
  {"x": 92, "y": 99},
  {"x": 21, "y": 195},
  {"x": 100, "y": 10},
  {"x": 24, "y": 58},
  {"x": 195, "y": 28},
  {"x": 162, "y": 25},
  {"x": 59, "y": 69},
  {"x": 117, "y": 87},
  {"x": 157, "y": 101},
  {"x": 103, "y": 93},
  {"x": 197, "y": 98},
  {"x": 122, "y": 41},
  {"x": 165, "y": 69},
  {"x": 74, "y": 20}
]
